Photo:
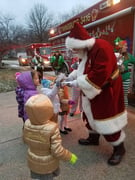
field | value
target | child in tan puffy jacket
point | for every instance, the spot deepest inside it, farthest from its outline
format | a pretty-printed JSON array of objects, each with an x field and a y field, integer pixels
[{"x": 43, "y": 138}]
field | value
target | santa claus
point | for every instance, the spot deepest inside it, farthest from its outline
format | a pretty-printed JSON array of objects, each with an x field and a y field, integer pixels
[{"x": 102, "y": 97}]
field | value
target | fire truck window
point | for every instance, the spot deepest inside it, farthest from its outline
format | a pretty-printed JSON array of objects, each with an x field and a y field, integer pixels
[{"x": 45, "y": 51}]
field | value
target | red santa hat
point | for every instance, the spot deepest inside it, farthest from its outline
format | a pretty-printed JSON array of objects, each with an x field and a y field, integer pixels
[{"x": 79, "y": 38}]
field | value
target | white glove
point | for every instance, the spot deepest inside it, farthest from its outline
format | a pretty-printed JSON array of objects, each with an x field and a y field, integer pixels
[
  {"x": 70, "y": 83},
  {"x": 67, "y": 79},
  {"x": 53, "y": 92},
  {"x": 60, "y": 77}
]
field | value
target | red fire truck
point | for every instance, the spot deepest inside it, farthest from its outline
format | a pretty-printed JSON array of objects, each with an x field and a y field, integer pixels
[
  {"x": 107, "y": 19},
  {"x": 43, "y": 50}
]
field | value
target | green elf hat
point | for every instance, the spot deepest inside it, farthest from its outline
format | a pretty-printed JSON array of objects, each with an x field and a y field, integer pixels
[
  {"x": 119, "y": 43},
  {"x": 117, "y": 40}
]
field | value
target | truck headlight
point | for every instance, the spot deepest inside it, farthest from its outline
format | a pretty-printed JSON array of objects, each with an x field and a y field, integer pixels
[{"x": 46, "y": 62}]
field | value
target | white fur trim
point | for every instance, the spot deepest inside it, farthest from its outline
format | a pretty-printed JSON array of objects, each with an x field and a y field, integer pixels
[
  {"x": 104, "y": 126},
  {"x": 88, "y": 89},
  {"x": 82, "y": 64},
  {"x": 73, "y": 75},
  {"x": 86, "y": 106},
  {"x": 73, "y": 43},
  {"x": 112, "y": 125},
  {"x": 120, "y": 140}
]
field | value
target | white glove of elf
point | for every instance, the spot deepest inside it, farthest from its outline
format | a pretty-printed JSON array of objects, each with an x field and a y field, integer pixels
[{"x": 70, "y": 83}]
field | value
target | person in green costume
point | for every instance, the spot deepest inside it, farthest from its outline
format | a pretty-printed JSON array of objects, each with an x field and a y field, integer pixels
[
  {"x": 57, "y": 61},
  {"x": 125, "y": 60}
]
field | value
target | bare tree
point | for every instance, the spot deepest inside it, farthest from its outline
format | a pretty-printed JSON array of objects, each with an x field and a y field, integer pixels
[
  {"x": 39, "y": 22},
  {"x": 19, "y": 34},
  {"x": 11, "y": 36},
  {"x": 5, "y": 22}
]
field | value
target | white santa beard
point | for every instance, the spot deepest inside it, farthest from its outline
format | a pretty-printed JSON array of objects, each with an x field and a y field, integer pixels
[
  {"x": 85, "y": 102},
  {"x": 80, "y": 53},
  {"x": 81, "y": 66}
]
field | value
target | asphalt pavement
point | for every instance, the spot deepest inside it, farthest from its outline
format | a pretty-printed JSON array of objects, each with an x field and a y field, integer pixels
[{"x": 92, "y": 162}]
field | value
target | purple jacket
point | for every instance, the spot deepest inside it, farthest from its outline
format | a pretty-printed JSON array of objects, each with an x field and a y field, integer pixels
[
  {"x": 25, "y": 81},
  {"x": 20, "y": 100}
]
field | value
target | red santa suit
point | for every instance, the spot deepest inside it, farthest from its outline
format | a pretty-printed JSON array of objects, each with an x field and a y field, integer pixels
[{"x": 101, "y": 85}]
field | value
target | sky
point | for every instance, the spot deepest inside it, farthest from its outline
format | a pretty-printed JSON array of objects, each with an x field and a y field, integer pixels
[{"x": 19, "y": 9}]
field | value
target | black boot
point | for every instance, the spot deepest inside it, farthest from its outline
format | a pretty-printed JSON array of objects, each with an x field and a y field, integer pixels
[
  {"x": 93, "y": 139},
  {"x": 118, "y": 153}
]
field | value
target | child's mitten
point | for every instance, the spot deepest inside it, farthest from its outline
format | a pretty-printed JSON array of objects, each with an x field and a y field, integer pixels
[{"x": 73, "y": 159}]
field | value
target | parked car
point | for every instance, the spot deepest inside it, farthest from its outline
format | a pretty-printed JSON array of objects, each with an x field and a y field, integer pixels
[{"x": 23, "y": 61}]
